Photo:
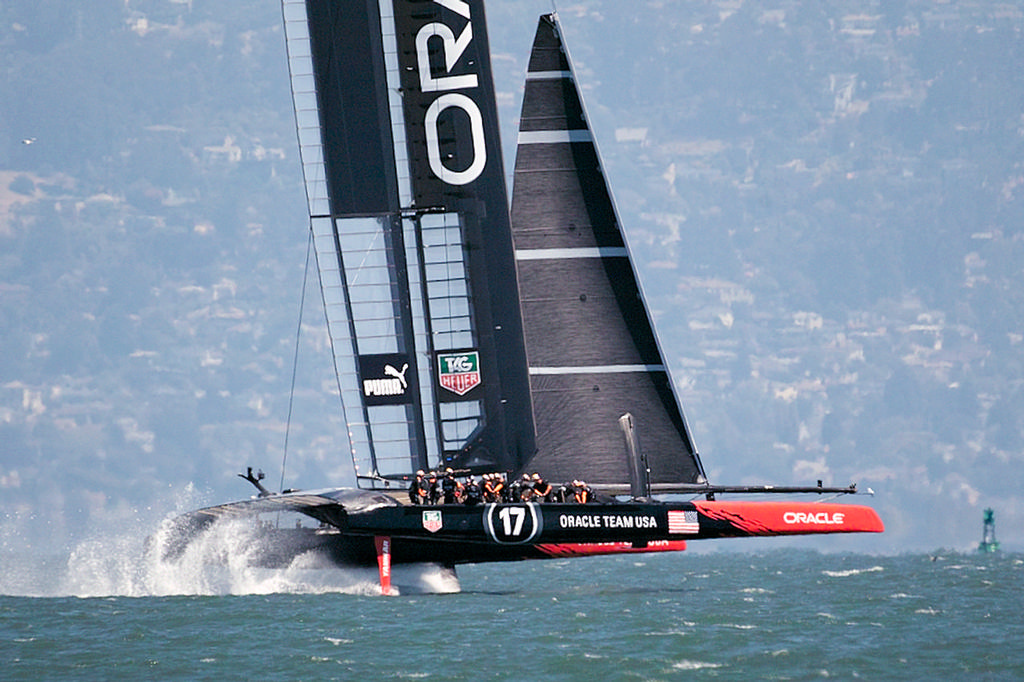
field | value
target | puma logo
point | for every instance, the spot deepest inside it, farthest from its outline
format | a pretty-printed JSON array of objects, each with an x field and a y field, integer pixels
[
  {"x": 394, "y": 385},
  {"x": 392, "y": 372}
]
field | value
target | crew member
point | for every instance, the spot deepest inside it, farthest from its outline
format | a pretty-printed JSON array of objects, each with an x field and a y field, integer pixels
[
  {"x": 449, "y": 487},
  {"x": 471, "y": 493},
  {"x": 487, "y": 489},
  {"x": 419, "y": 490},
  {"x": 541, "y": 488},
  {"x": 498, "y": 482},
  {"x": 522, "y": 489},
  {"x": 513, "y": 489},
  {"x": 582, "y": 492},
  {"x": 435, "y": 488}
]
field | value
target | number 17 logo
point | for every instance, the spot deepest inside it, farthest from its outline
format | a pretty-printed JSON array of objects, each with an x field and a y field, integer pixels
[
  {"x": 515, "y": 523},
  {"x": 512, "y": 527}
]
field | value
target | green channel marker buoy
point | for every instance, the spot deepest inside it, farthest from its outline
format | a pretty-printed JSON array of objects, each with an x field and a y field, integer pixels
[{"x": 988, "y": 535}]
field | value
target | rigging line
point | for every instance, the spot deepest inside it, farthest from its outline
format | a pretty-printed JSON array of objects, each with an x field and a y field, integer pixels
[
  {"x": 367, "y": 252},
  {"x": 295, "y": 359}
]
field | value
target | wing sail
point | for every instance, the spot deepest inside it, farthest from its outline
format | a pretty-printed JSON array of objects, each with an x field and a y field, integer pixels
[{"x": 398, "y": 133}]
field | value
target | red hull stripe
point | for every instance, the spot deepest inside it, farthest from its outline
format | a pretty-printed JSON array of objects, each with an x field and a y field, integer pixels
[
  {"x": 574, "y": 549},
  {"x": 793, "y": 518}
]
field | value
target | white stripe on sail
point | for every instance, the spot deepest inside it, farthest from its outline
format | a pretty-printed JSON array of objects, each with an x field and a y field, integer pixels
[
  {"x": 596, "y": 369},
  {"x": 559, "y": 254},
  {"x": 547, "y": 75},
  {"x": 554, "y": 136}
]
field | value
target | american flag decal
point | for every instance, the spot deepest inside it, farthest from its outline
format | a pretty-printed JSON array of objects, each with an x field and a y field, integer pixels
[{"x": 683, "y": 522}]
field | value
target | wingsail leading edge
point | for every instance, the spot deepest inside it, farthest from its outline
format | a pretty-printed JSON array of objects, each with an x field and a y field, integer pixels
[{"x": 471, "y": 338}]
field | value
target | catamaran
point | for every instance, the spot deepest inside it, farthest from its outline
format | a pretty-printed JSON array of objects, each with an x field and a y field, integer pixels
[{"x": 471, "y": 337}]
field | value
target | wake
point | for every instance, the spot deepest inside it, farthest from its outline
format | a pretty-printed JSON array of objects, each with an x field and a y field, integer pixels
[
  {"x": 130, "y": 561},
  {"x": 221, "y": 561}
]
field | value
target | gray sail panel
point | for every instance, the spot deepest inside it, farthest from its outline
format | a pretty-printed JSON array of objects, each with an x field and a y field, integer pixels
[
  {"x": 583, "y": 215},
  {"x": 593, "y": 354},
  {"x": 591, "y": 297},
  {"x": 582, "y": 405}
]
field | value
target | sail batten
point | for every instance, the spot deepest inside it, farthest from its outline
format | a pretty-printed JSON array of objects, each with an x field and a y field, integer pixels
[
  {"x": 554, "y": 136},
  {"x": 583, "y": 252},
  {"x": 547, "y": 75},
  {"x": 596, "y": 369}
]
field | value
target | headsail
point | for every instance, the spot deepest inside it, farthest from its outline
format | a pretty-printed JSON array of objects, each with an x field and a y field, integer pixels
[
  {"x": 398, "y": 132},
  {"x": 592, "y": 351}
]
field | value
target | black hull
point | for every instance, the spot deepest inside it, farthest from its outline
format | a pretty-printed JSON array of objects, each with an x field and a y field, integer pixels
[
  {"x": 281, "y": 547},
  {"x": 352, "y": 521}
]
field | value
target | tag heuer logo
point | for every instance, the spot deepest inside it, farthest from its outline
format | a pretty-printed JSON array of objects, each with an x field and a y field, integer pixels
[
  {"x": 459, "y": 372},
  {"x": 432, "y": 521}
]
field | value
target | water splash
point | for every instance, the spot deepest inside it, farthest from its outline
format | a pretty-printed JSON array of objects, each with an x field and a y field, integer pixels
[
  {"x": 222, "y": 560},
  {"x": 128, "y": 558}
]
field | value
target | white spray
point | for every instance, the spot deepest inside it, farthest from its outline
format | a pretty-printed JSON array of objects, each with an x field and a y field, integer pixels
[{"x": 128, "y": 559}]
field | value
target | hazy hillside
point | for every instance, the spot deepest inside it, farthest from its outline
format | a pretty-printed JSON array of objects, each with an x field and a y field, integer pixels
[{"x": 825, "y": 201}]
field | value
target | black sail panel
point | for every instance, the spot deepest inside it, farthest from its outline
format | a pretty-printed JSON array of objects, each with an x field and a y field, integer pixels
[
  {"x": 593, "y": 354},
  {"x": 454, "y": 150},
  {"x": 351, "y": 87}
]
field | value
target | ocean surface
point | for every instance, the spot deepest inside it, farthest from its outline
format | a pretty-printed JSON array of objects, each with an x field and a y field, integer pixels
[{"x": 775, "y": 615}]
